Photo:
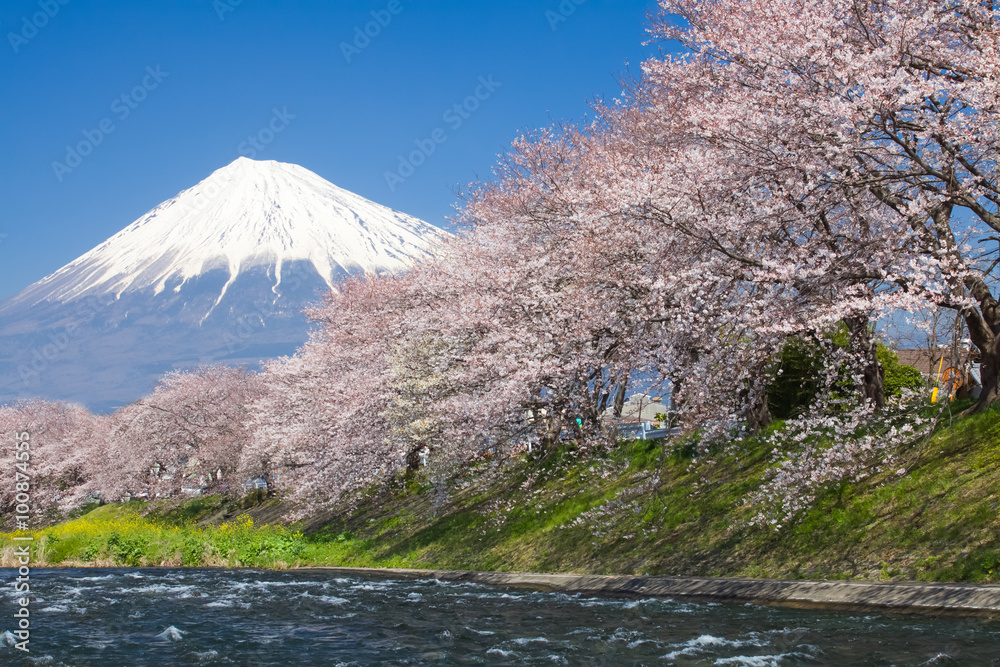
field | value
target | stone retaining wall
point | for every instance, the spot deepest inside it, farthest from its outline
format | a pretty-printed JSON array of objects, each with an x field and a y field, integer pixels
[{"x": 979, "y": 599}]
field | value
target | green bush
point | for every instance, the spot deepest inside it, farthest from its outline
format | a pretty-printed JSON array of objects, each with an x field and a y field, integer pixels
[
  {"x": 257, "y": 546},
  {"x": 91, "y": 552},
  {"x": 794, "y": 384},
  {"x": 897, "y": 376},
  {"x": 192, "y": 550},
  {"x": 801, "y": 360},
  {"x": 127, "y": 551}
]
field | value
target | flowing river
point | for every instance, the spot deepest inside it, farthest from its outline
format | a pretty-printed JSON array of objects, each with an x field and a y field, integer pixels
[{"x": 119, "y": 618}]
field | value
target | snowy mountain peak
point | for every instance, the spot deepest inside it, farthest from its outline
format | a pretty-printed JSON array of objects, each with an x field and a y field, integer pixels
[
  {"x": 248, "y": 214},
  {"x": 220, "y": 273}
]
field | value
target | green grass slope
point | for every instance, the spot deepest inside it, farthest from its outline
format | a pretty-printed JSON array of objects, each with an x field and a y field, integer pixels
[{"x": 646, "y": 507}]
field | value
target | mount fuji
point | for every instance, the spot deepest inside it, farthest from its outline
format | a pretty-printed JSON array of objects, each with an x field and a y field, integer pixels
[{"x": 219, "y": 273}]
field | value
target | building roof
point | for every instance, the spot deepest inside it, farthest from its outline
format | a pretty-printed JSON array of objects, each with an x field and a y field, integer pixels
[{"x": 927, "y": 360}]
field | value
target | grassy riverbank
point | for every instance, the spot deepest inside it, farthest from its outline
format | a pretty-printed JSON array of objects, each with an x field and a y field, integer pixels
[{"x": 638, "y": 509}]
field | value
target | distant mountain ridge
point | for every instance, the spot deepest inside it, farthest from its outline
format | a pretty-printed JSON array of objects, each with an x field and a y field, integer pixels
[{"x": 220, "y": 272}]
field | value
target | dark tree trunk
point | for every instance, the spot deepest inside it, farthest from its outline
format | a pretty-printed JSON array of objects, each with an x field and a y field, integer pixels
[
  {"x": 753, "y": 403},
  {"x": 617, "y": 405},
  {"x": 984, "y": 331},
  {"x": 989, "y": 370},
  {"x": 864, "y": 346},
  {"x": 413, "y": 460},
  {"x": 620, "y": 400},
  {"x": 551, "y": 428},
  {"x": 758, "y": 414}
]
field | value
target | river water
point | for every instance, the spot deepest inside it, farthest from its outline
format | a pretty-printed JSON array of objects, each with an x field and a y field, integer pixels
[{"x": 124, "y": 618}]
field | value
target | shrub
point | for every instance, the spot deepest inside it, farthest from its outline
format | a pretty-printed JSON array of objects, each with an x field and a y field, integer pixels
[
  {"x": 897, "y": 376},
  {"x": 795, "y": 380},
  {"x": 242, "y": 542},
  {"x": 127, "y": 551},
  {"x": 800, "y": 363}
]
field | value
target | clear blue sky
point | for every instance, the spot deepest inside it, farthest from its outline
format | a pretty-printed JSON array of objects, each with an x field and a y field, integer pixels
[{"x": 199, "y": 77}]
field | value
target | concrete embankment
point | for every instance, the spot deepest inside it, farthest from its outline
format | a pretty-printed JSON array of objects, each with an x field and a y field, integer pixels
[{"x": 913, "y": 597}]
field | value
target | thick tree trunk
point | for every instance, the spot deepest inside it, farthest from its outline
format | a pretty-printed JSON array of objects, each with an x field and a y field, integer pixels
[
  {"x": 865, "y": 347},
  {"x": 984, "y": 331},
  {"x": 413, "y": 461},
  {"x": 552, "y": 427},
  {"x": 607, "y": 393},
  {"x": 758, "y": 414},
  {"x": 610, "y": 396},
  {"x": 617, "y": 404},
  {"x": 989, "y": 372},
  {"x": 619, "y": 400},
  {"x": 989, "y": 369},
  {"x": 753, "y": 403}
]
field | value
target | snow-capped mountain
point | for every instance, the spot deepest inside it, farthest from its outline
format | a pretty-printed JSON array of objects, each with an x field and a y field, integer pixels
[
  {"x": 220, "y": 272},
  {"x": 248, "y": 214}
]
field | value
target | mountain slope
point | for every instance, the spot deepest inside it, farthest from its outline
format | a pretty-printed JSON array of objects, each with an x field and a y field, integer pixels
[
  {"x": 247, "y": 214},
  {"x": 220, "y": 272}
]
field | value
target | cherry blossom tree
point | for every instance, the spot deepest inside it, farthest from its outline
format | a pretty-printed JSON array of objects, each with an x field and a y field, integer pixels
[
  {"x": 190, "y": 431},
  {"x": 60, "y": 462},
  {"x": 320, "y": 420},
  {"x": 810, "y": 164},
  {"x": 888, "y": 107},
  {"x": 523, "y": 327}
]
